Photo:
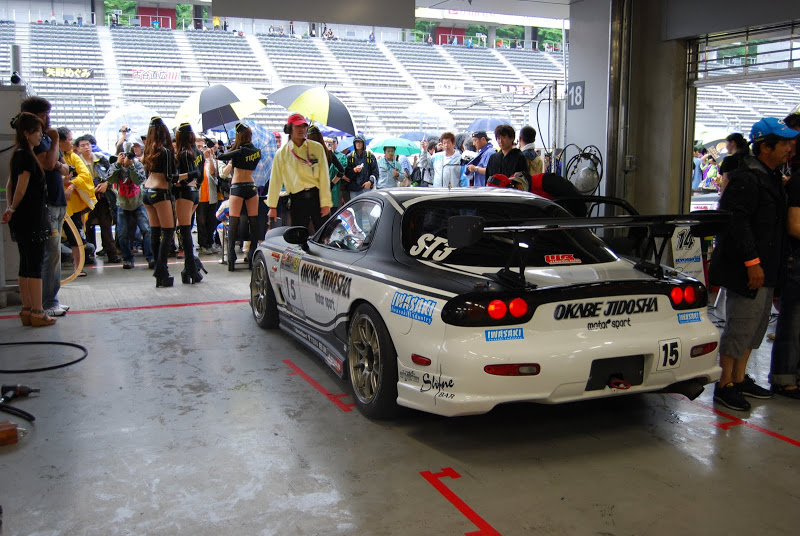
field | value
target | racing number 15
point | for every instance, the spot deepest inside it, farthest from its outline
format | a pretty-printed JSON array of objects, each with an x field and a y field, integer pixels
[{"x": 669, "y": 354}]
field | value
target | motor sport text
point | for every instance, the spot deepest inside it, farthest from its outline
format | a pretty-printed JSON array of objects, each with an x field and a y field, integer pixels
[
  {"x": 333, "y": 282},
  {"x": 431, "y": 246},
  {"x": 565, "y": 311}
]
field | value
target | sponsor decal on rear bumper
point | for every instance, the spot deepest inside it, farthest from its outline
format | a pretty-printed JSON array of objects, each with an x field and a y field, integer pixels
[
  {"x": 688, "y": 318},
  {"x": 413, "y": 307},
  {"x": 504, "y": 334}
]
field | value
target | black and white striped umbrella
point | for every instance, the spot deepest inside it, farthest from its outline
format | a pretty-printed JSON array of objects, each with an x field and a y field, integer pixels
[{"x": 220, "y": 105}]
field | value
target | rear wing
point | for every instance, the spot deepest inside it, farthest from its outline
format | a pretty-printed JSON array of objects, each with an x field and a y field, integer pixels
[{"x": 464, "y": 231}]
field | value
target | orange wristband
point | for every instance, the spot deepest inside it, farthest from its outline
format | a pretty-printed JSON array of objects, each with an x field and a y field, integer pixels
[{"x": 753, "y": 262}]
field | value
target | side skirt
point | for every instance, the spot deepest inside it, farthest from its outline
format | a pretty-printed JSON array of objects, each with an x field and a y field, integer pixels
[{"x": 320, "y": 344}]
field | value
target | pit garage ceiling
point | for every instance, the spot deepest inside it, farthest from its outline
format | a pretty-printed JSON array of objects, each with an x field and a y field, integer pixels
[{"x": 393, "y": 14}]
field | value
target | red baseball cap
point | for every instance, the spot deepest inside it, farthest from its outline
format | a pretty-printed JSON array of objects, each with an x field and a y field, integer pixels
[{"x": 297, "y": 119}]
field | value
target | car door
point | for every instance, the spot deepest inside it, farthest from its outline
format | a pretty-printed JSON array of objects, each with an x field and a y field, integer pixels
[{"x": 325, "y": 274}]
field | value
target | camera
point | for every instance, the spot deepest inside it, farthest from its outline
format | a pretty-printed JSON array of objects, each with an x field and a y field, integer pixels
[
  {"x": 72, "y": 171},
  {"x": 125, "y": 130},
  {"x": 210, "y": 143},
  {"x": 129, "y": 154}
]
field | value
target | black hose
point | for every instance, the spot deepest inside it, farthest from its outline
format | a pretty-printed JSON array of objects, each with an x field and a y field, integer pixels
[{"x": 42, "y": 369}]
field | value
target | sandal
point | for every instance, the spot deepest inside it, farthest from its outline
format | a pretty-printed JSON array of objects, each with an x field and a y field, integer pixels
[
  {"x": 783, "y": 391},
  {"x": 25, "y": 316},
  {"x": 39, "y": 321}
]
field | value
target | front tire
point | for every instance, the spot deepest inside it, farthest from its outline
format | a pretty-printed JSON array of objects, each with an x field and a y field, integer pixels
[
  {"x": 372, "y": 364},
  {"x": 262, "y": 297}
]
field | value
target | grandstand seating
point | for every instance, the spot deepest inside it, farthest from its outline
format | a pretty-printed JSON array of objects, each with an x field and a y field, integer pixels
[
  {"x": 153, "y": 48},
  {"x": 6, "y": 40},
  {"x": 79, "y": 103},
  {"x": 376, "y": 88}
]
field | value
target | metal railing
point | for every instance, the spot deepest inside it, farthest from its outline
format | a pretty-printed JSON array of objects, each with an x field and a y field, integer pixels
[{"x": 145, "y": 21}]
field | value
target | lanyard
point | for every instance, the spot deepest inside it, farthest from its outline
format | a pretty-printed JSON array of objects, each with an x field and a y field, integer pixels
[{"x": 306, "y": 161}]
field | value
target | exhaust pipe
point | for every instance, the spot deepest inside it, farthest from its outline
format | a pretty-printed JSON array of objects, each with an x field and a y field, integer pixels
[{"x": 691, "y": 389}]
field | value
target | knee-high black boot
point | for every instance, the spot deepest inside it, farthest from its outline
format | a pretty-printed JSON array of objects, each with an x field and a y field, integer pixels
[
  {"x": 155, "y": 243},
  {"x": 190, "y": 272},
  {"x": 161, "y": 273},
  {"x": 233, "y": 231},
  {"x": 252, "y": 222}
]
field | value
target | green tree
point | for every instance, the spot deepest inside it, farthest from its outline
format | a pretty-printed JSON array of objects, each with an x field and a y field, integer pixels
[
  {"x": 548, "y": 35},
  {"x": 184, "y": 14},
  {"x": 424, "y": 27},
  {"x": 128, "y": 7}
]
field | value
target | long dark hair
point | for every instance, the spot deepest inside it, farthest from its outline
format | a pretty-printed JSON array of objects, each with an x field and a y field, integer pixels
[
  {"x": 158, "y": 138},
  {"x": 315, "y": 135},
  {"x": 25, "y": 123},
  {"x": 243, "y": 135},
  {"x": 184, "y": 142}
]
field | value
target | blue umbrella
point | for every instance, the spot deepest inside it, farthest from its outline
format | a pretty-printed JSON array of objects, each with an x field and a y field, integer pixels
[
  {"x": 488, "y": 123},
  {"x": 419, "y": 135},
  {"x": 265, "y": 140}
]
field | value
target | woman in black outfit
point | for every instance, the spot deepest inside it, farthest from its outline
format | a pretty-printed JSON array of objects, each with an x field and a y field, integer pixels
[
  {"x": 28, "y": 217},
  {"x": 159, "y": 163},
  {"x": 243, "y": 157},
  {"x": 190, "y": 176}
]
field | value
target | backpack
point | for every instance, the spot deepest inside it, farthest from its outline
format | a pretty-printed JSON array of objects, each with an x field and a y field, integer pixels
[
  {"x": 419, "y": 177},
  {"x": 351, "y": 158}
]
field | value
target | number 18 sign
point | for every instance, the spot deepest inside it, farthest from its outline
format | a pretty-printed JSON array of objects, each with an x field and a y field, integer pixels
[{"x": 576, "y": 95}]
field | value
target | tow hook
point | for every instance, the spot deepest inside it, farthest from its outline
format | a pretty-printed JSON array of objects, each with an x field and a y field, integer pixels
[{"x": 618, "y": 383}]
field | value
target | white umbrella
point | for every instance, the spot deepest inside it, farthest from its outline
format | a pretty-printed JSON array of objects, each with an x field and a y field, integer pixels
[
  {"x": 428, "y": 112},
  {"x": 136, "y": 116}
]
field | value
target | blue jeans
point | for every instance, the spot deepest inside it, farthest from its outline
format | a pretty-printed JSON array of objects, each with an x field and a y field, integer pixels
[
  {"x": 124, "y": 218},
  {"x": 786, "y": 348},
  {"x": 51, "y": 267}
]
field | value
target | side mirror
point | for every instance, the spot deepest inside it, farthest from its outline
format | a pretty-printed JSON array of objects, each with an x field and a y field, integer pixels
[
  {"x": 297, "y": 235},
  {"x": 464, "y": 231}
]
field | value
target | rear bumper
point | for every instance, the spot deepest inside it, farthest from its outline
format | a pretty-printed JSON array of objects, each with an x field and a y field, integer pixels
[{"x": 456, "y": 384}]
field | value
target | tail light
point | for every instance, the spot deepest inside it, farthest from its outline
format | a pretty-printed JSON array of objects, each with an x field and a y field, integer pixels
[
  {"x": 688, "y": 296},
  {"x": 490, "y": 309},
  {"x": 520, "y": 369},
  {"x": 703, "y": 349}
]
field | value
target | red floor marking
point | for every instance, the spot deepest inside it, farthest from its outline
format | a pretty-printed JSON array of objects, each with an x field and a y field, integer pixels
[
  {"x": 435, "y": 481},
  {"x": 736, "y": 421},
  {"x": 333, "y": 398},
  {"x": 139, "y": 307}
]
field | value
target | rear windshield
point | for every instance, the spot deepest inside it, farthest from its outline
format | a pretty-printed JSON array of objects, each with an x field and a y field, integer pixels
[{"x": 425, "y": 236}]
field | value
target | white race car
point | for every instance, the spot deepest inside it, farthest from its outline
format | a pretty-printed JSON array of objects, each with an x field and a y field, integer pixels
[{"x": 452, "y": 302}]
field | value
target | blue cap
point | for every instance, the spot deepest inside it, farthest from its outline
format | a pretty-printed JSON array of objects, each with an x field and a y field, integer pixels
[{"x": 771, "y": 126}]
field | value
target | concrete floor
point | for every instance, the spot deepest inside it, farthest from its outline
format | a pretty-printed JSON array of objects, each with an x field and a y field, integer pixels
[{"x": 190, "y": 420}]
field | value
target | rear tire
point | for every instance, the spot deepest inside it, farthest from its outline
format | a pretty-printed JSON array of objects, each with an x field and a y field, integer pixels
[
  {"x": 372, "y": 364},
  {"x": 262, "y": 297}
]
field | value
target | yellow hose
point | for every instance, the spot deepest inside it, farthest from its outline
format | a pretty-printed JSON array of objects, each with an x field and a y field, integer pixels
[{"x": 81, "y": 255}]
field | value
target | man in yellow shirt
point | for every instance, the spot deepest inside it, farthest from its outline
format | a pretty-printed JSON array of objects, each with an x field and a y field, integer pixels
[
  {"x": 301, "y": 167},
  {"x": 80, "y": 193}
]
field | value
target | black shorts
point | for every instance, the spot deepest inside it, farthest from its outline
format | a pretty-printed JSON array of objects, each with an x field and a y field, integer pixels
[
  {"x": 245, "y": 190},
  {"x": 151, "y": 196},
  {"x": 189, "y": 193}
]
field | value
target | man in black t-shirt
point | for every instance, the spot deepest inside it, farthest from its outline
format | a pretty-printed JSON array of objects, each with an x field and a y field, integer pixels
[
  {"x": 508, "y": 160},
  {"x": 55, "y": 171}
]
